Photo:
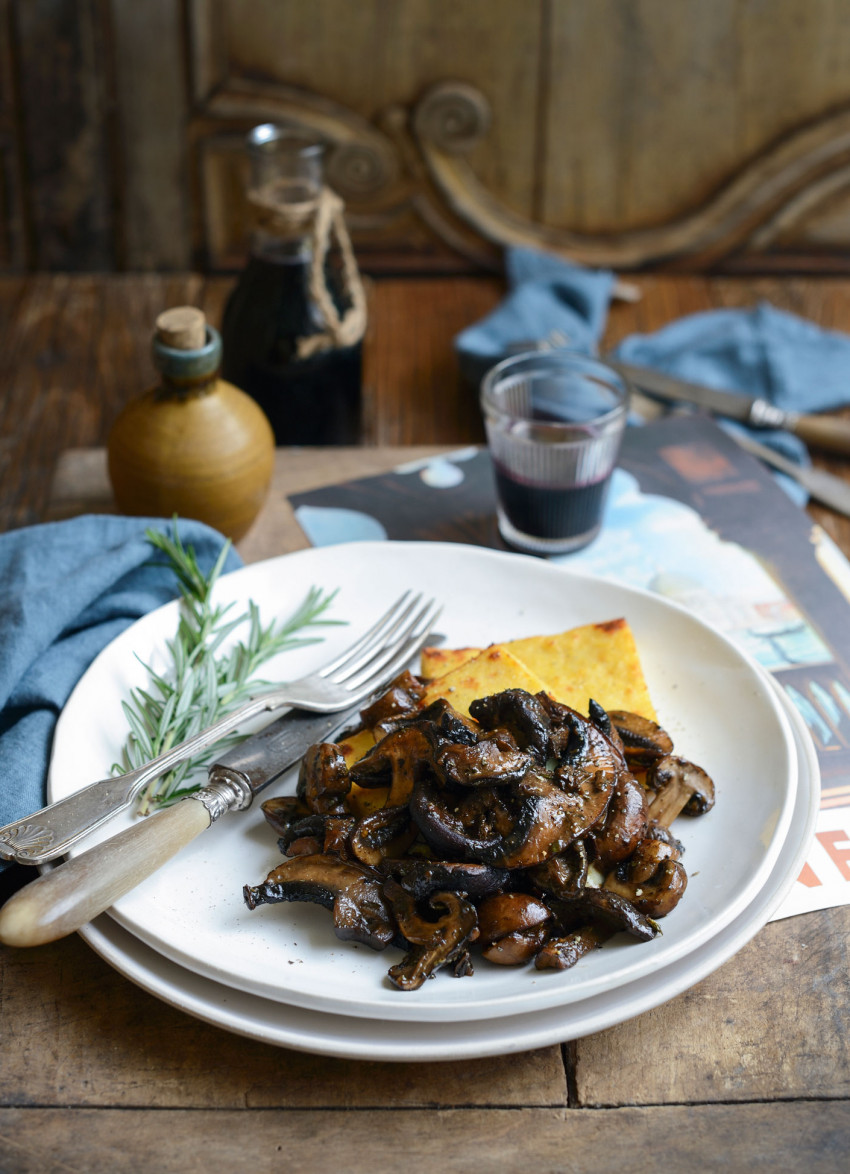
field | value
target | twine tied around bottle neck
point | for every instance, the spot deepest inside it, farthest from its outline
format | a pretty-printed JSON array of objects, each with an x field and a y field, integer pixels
[{"x": 321, "y": 218}]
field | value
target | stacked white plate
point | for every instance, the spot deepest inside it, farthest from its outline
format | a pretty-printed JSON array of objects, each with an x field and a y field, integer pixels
[{"x": 279, "y": 974}]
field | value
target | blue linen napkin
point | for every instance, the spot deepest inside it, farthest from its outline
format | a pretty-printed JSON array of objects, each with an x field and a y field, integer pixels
[
  {"x": 66, "y": 590},
  {"x": 760, "y": 351},
  {"x": 547, "y": 298}
]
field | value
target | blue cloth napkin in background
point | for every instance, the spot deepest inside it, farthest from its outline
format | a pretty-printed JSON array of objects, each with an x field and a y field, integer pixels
[
  {"x": 547, "y": 298},
  {"x": 66, "y": 590},
  {"x": 761, "y": 351}
]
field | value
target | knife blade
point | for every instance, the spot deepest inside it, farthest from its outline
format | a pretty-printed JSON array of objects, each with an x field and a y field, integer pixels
[
  {"x": 819, "y": 484},
  {"x": 71, "y": 894},
  {"x": 824, "y": 487},
  {"x": 829, "y": 432}
]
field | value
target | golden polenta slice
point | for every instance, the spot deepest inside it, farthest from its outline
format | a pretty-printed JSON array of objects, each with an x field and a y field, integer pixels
[
  {"x": 436, "y": 662},
  {"x": 362, "y": 800},
  {"x": 491, "y": 671},
  {"x": 596, "y": 660}
]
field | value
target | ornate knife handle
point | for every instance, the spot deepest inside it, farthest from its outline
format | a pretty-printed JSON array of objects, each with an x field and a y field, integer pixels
[{"x": 50, "y": 832}]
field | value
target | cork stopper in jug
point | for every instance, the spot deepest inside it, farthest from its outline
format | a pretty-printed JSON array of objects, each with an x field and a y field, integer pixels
[{"x": 183, "y": 327}]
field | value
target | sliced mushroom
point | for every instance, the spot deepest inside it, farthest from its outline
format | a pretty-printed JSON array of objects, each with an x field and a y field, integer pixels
[
  {"x": 657, "y": 831},
  {"x": 353, "y": 894},
  {"x": 338, "y": 830},
  {"x": 323, "y": 780},
  {"x": 589, "y": 765},
  {"x": 602, "y": 907},
  {"x": 422, "y": 877},
  {"x": 435, "y": 943},
  {"x": 307, "y": 827},
  {"x": 651, "y": 879},
  {"x": 623, "y": 827},
  {"x": 644, "y": 740},
  {"x": 387, "y": 832},
  {"x": 402, "y": 697},
  {"x": 303, "y": 846},
  {"x": 513, "y": 927},
  {"x": 459, "y": 827},
  {"x": 395, "y": 762},
  {"x": 522, "y": 713},
  {"x": 440, "y": 721},
  {"x": 462, "y": 965},
  {"x": 680, "y": 786},
  {"x": 562, "y": 953},
  {"x": 558, "y": 818},
  {"x": 284, "y": 810},
  {"x": 602, "y": 720},
  {"x": 447, "y": 724},
  {"x": 564, "y": 874},
  {"x": 649, "y": 855},
  {"x": 489, "y": 762},
  {"x": 512, "y": 827}
]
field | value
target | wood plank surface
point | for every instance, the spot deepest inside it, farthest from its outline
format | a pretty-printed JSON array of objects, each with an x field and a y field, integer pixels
[
  {"x": 779, "y": 1138},
  {"x": 766, "y": 1026},
  {"x": 110, "y": 1044}
]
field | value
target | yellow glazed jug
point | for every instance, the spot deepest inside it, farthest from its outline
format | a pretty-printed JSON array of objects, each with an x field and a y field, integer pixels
[{"x": 194, "y": 445}]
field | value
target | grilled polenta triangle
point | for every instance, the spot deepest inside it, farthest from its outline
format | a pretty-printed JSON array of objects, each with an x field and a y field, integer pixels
[{"x": 596, "y": 660}]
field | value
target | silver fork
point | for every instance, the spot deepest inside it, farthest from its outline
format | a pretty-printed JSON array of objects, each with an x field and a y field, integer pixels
[{"x": 354, "y": 675}]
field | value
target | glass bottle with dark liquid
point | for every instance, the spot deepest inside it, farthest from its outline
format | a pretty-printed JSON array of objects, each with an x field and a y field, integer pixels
[{"x": 311, "y": 399}]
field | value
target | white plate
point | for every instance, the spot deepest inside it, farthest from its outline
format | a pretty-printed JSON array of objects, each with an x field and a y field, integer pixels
[
  {"x": 718, "y": 705},
  {"x": 367, "y": 1039}
]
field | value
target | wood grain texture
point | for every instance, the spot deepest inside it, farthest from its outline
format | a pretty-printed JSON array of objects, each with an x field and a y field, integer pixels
[
  {"x": 151, "y": 100},
  {"x": 371, "y": 55},
  {"x": 123, "y": 1048},
  {"x": 709, "y": 89},
  {"x": 13, "y": 249},
  {"x": 781, "y": 1138},
  {"x": 763, "y": 1027},
  {"x": 81, "y": 485},
  {"x": 647, "y": 133},
  {"x": 60, "y": 50}
]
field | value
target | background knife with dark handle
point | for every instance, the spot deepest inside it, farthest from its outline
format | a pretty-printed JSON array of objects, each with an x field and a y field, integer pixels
[
  {"x": 66, "y": 897},
  {"x": 828, "y": 432}
]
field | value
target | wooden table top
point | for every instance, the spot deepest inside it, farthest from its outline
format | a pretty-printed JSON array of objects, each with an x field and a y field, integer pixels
[{"x": 748, "y": 1069}]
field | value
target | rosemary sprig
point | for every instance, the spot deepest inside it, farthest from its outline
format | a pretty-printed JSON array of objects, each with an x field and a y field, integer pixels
[{"x": 202, "y": 682}]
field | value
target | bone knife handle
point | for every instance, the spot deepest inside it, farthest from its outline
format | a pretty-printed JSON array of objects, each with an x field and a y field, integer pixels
[
  {"x": 825, "y": 432},
  {"x": 64, "y": 899}
]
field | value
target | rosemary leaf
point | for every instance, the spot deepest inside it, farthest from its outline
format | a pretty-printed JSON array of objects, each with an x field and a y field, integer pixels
[{"x": 203, "y": 683}]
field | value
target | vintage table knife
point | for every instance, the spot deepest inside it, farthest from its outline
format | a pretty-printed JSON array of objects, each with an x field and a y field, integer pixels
[
  {"x": 68, "y": 896},
  {"x": 821, "y": 431},
  {"x": 819, "y": 484}
]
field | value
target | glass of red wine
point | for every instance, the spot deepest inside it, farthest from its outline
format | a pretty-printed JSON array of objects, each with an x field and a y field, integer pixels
[{"x": 554, "y": 421}]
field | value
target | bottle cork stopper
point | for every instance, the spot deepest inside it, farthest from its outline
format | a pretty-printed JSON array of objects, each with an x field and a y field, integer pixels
[{"x": 184, "y": 328}]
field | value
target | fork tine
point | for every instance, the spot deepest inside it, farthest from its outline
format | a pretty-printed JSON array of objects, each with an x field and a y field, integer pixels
[
  {"x": 389, "y": 633},
  {"x": 403, "y": 653},
  {"x": 396, "y": 654},
  {"x": 374, "y": 636}
]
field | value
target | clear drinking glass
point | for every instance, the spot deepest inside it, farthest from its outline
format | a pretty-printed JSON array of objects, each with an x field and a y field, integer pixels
[{"x": 554, "y": 422}]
